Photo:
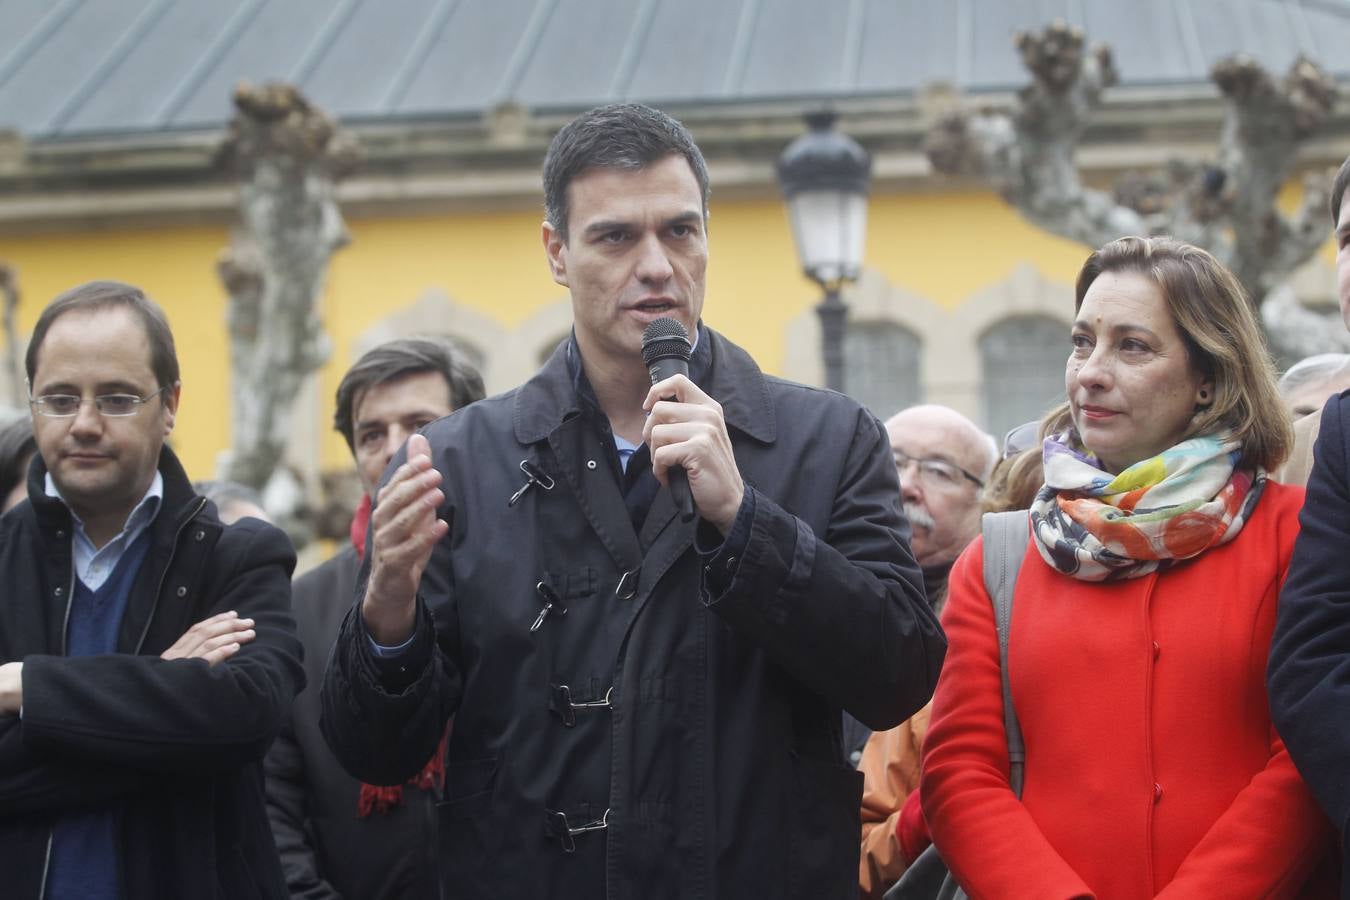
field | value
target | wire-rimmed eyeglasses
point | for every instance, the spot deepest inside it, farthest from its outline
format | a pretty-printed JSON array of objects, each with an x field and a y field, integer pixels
[
  {"x": 64, "y": 406},
  {"x": 936, "y": 471}
]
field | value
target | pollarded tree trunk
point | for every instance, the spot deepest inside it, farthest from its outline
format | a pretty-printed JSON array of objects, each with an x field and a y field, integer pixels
[
  {"x": 1227, "y": 207},
  {"x": 288, "y": 156},
  {"x": 14, "y": 372}
]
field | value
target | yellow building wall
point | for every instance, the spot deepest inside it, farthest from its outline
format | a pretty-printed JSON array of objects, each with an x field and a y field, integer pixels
[
  {"x": 176, "y": 268},
  {"x": 945, "y": 247}
]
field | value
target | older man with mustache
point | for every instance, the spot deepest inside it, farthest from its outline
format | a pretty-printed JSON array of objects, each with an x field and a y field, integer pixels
[{"x": 943, "y": 460}]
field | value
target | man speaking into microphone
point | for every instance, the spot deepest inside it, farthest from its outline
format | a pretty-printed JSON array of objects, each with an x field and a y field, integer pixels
[{"x": 644, "y": 705}]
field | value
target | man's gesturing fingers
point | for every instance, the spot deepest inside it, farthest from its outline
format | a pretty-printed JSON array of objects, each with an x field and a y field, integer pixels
[
  {"x": 405, "y": 531},
  {"x": 417, "y": 462},
  {"x": 213, "y": 639},
  {"x": 405, "y": 523}
]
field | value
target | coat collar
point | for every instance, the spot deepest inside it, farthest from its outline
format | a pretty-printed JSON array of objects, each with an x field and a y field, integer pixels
[{"x": 735, "y": 381}]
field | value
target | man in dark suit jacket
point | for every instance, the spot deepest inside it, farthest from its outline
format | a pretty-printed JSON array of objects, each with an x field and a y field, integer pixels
[
  {"x": 1309, "y": 671},
  {"x": 338, "y": 837},
  {"x": 131, "y": 740}
]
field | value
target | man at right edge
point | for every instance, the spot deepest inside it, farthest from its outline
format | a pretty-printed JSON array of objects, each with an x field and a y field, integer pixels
[{"x": 644, "y": 707}]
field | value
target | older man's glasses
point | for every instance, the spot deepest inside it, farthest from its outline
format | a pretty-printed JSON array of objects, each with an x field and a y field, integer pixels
[
  {"x": 938, "y": 472},
  {"x": 64, "y": 406}
]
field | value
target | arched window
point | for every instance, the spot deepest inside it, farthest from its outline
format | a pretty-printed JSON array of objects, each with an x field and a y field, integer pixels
[
  {"x": 881, "y": 366},
  {"x": 1023, "y": 367}
]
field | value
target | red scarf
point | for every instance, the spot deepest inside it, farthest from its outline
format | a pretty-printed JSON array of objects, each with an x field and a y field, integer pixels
[
  {"x": 360, "y": 522},
  {"x": 375, "y": 798}
]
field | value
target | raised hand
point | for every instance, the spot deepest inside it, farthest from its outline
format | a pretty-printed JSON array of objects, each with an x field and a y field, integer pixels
[
  {"x": 405, "y": 530},
  {"x": 690, "y": 431},
  {"x": 215, "y": 639}
]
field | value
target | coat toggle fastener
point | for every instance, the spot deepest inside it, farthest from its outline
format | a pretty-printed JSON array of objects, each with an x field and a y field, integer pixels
[
  {"x": 557, "y": 827},
  {"x": 562, "y": 704},
  {"x": 628, "y": 585},
  {"x": 533, "y": 475},
  {"x": 551, "y": 602}
]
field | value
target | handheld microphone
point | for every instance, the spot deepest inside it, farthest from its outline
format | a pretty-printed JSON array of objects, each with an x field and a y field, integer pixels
[{"x": 666, "y": 351}]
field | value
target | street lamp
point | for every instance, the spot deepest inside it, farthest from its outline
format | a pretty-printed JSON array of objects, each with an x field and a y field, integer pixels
[{"x": 825, "y": 176}]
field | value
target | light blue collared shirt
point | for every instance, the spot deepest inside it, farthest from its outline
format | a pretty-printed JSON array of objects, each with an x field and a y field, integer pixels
[
  {"x": 626, "y": 450},
  {"x": 93, "y": 564}
]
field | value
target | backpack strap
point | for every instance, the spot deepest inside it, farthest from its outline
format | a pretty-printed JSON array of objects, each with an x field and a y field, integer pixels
[{"x": 1005, "y": 544}]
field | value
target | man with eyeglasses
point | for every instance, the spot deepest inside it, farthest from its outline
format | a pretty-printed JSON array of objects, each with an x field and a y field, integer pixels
[
  {"x": 131, "y": 739},
  {"x": 943, "y": 460}
]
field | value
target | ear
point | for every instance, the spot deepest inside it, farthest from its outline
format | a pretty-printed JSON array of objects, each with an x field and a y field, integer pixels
[
  {"x": 171, "y": 397},
  {"x": 1204, "y": 393},
  {"x": 555, "y": 248}
]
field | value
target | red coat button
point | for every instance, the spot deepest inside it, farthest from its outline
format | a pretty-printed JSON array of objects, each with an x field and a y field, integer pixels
[
  {"x": 1157, "y": 650},
  {"x": 1157, "y": 793}
]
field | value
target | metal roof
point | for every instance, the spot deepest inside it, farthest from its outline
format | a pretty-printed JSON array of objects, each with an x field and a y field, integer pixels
[{"x": 75, "y": 67}]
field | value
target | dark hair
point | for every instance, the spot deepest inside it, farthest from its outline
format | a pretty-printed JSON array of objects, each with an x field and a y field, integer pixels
[
  {"x": 17, "y": 446},
  {"x": 1338, "y": 189},
  {"x": 618, "y": 136},
  {"x": 398, "y": 359},
  {"x": 100, "y": 295},
  {"x": 1222, "y": 339}
]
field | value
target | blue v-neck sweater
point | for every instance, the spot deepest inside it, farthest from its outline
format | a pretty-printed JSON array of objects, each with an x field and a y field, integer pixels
[{"x": 84, "y": 855}]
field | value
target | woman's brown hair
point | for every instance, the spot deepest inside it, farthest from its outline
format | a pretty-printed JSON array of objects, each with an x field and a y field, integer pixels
[
  {"x": 1014, "y": 482},
  {"x": 1223, "y": 342}
]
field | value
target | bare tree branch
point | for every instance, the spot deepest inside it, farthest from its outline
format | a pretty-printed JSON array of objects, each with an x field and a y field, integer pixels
[
  {"x": 9, "y": 288},
  {"x": 1029, "y": 156},
  {"x": 1290, "y": 324},
  {"x": 1263, "y": 126},
  {"x": 1306, "y": 232},
  {"x": 289, "y": 156},
  {"x": 1229, "y": 207}
]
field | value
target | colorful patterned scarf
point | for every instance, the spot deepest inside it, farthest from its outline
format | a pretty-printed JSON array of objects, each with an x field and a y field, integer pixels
[{"x": 1095, "y": 526}]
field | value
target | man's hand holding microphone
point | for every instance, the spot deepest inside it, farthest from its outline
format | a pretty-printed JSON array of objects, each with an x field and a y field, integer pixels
[{"x": 686, "y": 432}]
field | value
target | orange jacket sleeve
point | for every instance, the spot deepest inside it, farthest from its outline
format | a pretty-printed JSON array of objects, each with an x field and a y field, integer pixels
[
  {"x": 984, "y": 833},
  {"x": 890, "y": 767}
]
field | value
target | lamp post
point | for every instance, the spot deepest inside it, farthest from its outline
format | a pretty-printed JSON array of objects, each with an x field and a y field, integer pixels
[{"x": 825, "y": 177}]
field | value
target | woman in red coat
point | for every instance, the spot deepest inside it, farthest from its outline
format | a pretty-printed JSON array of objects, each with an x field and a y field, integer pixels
[{"x": 1141, "y": 619}]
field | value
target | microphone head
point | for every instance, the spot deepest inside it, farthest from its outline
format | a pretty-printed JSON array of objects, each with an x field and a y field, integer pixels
[{"x": 665, "y": 338}]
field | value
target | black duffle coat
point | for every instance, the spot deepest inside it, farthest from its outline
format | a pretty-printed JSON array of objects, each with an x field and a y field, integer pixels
[{"x": 697, "y": 732}]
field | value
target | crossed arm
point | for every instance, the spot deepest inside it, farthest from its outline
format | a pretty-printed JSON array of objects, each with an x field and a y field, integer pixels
[
  {"x": 58, "y": 785},
  {"x": 95, "y": 728},
  {"x": 213, "y": 639}
]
